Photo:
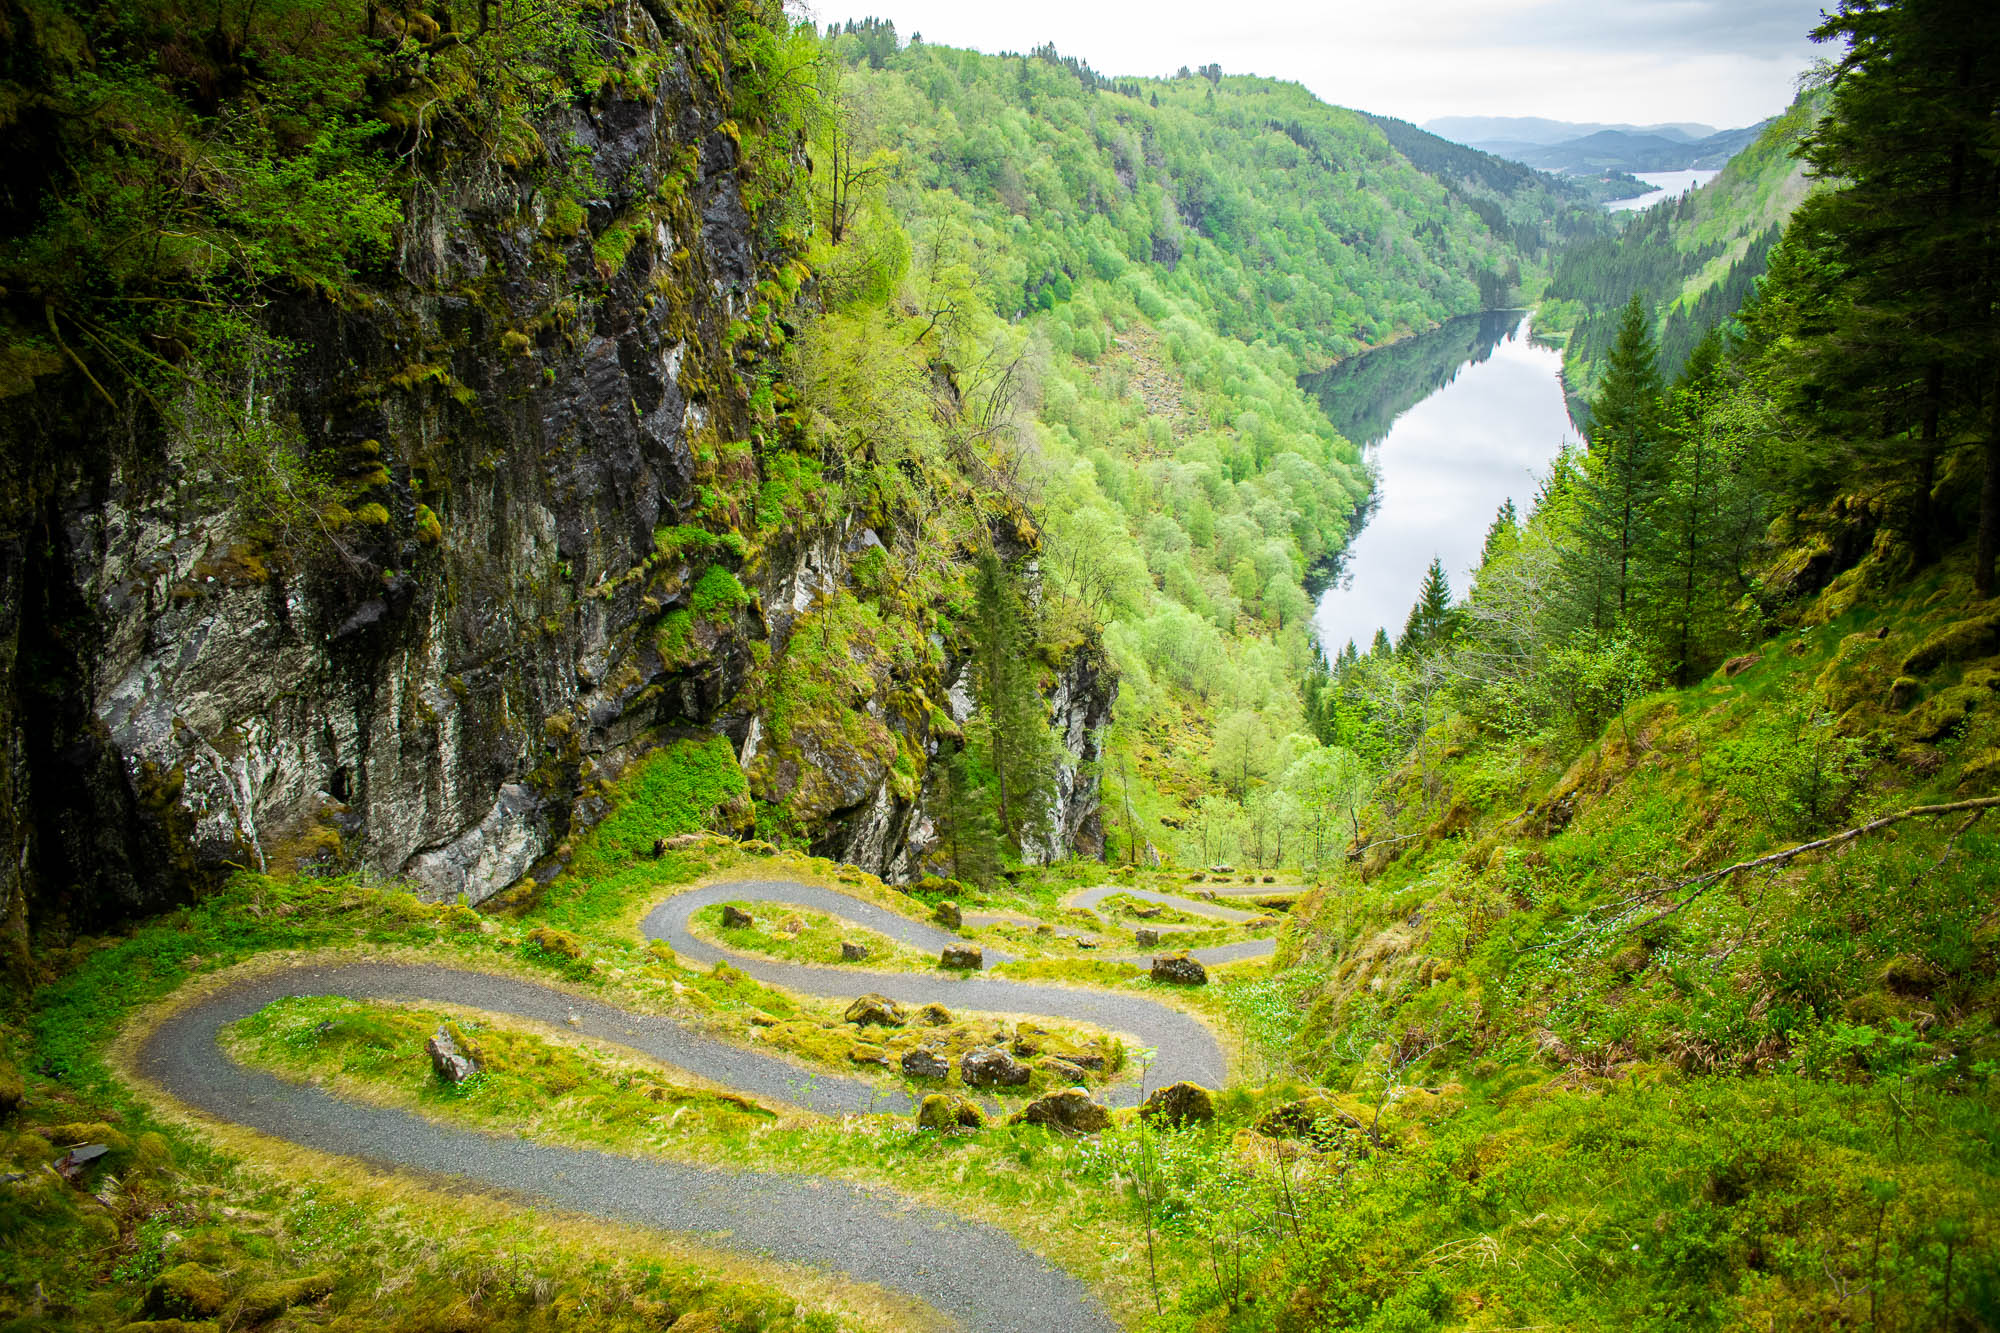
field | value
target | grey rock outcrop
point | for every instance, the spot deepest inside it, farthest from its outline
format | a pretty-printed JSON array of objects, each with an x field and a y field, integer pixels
[{"x": 987, "y": 1066}]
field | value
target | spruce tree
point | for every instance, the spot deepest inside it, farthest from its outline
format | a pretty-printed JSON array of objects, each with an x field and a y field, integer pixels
[
  {"x": 1432, "y": 620},
  {"x": 1694, "y": 571},
  {"x": 972, "y": 842},
  {"x": 1905, "y": 359},
  {"x": 1502, "y": 535},
  {"x": 1623, "y": 472}
]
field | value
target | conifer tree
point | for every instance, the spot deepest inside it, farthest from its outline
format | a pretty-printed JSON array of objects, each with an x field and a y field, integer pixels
[
  {"x": 972, "y": 842},
  {"x": 1020, "y": 747},
  {"x": 1623, "y": 472},
  {"x": 1905, "y": 359},
  {"x": 1503, "y": 534},
  {"x": 1692, "y": 517},
  {"x": 1432, "y": 620}
]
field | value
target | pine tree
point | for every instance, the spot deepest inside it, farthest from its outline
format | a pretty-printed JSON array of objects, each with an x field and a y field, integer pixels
[
  {"x": 1623, "y": 472},
  {"x": 1021, "y": 749}
]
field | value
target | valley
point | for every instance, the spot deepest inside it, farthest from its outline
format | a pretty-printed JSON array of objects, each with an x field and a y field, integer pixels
[{"x": 674, "y": 667}]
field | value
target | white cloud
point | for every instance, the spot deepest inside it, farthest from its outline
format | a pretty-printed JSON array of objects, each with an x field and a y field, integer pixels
[{"x": 1725, "y": 62}]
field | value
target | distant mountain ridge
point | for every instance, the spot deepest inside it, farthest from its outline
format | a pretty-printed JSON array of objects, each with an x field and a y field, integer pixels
[
  {"x": 1615, "y": 150},
  {"x": 1476, "y": 131}
]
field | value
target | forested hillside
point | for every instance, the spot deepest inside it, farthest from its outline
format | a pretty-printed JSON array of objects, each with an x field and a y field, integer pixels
[
  {"x": 1177, "y": 252},
  {"x": 1695, "y": 259}
]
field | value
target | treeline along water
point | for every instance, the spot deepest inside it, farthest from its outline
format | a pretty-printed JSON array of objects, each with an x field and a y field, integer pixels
[{"x": 1454, "y": 423}]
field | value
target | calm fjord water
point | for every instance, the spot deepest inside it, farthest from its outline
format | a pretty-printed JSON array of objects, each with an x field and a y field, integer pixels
[{"x": 1454, "y": 423}]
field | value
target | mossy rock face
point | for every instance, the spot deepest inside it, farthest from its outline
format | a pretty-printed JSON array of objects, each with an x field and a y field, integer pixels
[
  {"x": 1945, "y": 712},
  {"x": 1903, "y": 692},
  {"x": 268, "y": 1300},
  {"x": 1179, "y": 1104},
  {"x": 187, "y": 1291},
  {"x": 12, "y": 1089},
  {"x": 942, "y": 1111},
  {"x": 1971, "y": 638}
]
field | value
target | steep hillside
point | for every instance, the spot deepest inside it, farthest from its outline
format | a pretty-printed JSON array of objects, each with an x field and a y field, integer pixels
[
  {"x": 1695, "y": 259},
  {"x": 1682, "y": 1050},
  {"x": 1178, "y": 252}
]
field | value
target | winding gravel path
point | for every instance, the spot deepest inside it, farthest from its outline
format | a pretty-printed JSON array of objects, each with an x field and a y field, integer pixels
[
  {"x": 975, "y": 1273},
  {"x": 1185, "y": 1047},
  {"x": 972, "y": 1272}
]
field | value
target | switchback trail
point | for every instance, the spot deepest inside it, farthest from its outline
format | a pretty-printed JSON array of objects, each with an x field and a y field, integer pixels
[{"x": 972, "y": 1272}]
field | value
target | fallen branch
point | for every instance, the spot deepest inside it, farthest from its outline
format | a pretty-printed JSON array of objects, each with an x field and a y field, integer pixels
[{"x": 1702, "y": 882}]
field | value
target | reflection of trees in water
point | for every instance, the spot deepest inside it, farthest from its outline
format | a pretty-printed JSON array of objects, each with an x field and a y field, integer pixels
[{"x": 1364, "y": 394}]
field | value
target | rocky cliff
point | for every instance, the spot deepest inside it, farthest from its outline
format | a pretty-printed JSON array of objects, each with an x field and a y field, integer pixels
[{"x": 539, "y": 425}]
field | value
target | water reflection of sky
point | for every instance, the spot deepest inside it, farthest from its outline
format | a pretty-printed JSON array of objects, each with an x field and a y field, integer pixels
[
  {"x": 1666, "y": 185},
  {"x": 1442, "y": 471}
]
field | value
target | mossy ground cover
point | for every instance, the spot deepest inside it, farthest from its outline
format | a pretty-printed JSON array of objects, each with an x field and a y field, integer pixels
[{"x": 799, "y": 935}]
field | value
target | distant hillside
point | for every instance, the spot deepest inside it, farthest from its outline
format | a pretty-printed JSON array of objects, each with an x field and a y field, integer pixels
[
  {"x": 1696, "y": 257},
  {"x": 1479, "y": 130},
  {"x": 1621, "y": 150}
]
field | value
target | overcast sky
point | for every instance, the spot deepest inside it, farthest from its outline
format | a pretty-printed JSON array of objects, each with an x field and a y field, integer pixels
[{"x": 1722, "y": 62}]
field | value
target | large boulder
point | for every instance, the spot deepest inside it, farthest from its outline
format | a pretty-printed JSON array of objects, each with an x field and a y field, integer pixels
[
  {"x": 989, "y": 1066},
  {"x": 962, "y": 958},
  {"x": 1180, "y": 970},
  {"x": 926, "y": 1063},
  {"x": 1146, "y": 936},
  {"x": 735, "y": 918},
  {"x": 186, "y": 1291},
  {"x": 1179, "y": 1104},
  {"x": 946, "y": 914},
  {"x": 934, "y": 1016},
  {"x": 1070, "y": 1110},
  {"x": 943, "y": 1111},
  {"x": 451, "y": 1064},
  {"x": 879, "y": 1010}
]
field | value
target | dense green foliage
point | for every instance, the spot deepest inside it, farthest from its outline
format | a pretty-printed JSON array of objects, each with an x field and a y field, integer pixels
[{"x": 1176, "y": 252}]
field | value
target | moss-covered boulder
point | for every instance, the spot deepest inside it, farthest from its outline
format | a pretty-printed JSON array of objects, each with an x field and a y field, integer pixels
[
  {"x": 946, "y": 914},
  {"x": 186, "y": 1291},
  {"x": 943, "y": 1111},
  {"x": 1944, "y": 713},
  {"x": 735, "y": 918},
  {"x": 1981, "y": 771},
  {"x": 1179, "y": 970},
  {"x": 934, "y": 1016},
  {"x": 1957, "y": 642},
  {"x": 989, "y": 1066},
  {"x": 556, "y": 943},
  {"x": 926, "y": 1063},
  {"x": 268, "y": 1300},
  {"x": 170, "y": 1326},
  {"x": 875, "y": 1010},
  {"x": 1179, "y": 1104},
  {"x": 12, "y": 1089},
  {"x": 1069, "y": 1110},
  {"x": 962, "y": 958}
]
